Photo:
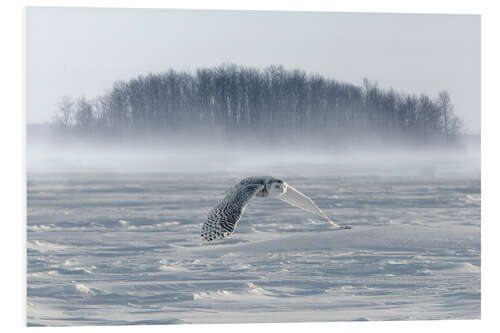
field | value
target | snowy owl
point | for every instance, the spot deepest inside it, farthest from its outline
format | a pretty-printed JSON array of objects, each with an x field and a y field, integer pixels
[{"x": 222, "y": 219}]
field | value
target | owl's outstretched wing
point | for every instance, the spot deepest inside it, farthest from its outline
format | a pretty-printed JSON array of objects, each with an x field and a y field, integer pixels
[
  {"x": 222, "y": 219},
  {"x": 294, "y": 197}
]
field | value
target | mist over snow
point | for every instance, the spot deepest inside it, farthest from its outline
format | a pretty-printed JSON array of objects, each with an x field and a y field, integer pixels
[{"x": 215, "y": 153}]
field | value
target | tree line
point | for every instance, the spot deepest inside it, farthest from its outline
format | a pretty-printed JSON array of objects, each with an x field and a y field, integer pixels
[{"x": 271, "y": 103}]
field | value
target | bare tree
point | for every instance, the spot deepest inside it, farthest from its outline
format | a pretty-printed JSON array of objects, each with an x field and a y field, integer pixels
[
  {"x": 84, "y": 115},
  {"x": 456, "y": 127},
  {"x": 447, "y": 110},
  {"x": 65, "y": 112}
]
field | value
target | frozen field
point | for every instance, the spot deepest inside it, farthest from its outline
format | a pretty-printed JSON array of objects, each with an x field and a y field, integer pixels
[{"x": 124, "y": 248}]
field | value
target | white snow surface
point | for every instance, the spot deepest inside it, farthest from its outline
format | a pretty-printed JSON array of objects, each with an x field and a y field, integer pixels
[{"x": 125, "y": 248}]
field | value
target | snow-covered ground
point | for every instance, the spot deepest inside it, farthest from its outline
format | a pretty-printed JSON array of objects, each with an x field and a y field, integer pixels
[{"x": 124, "y": 248}]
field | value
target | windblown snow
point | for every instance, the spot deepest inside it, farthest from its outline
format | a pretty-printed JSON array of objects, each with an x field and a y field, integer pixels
[{"x": 112, "y": 248}]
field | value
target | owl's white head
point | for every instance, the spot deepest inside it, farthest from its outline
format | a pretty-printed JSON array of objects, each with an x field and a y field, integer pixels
[{"x": 276, "y": 188}]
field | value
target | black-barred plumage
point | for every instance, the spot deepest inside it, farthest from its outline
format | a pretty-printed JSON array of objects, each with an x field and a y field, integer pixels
[{"x": 222, "y": 219}]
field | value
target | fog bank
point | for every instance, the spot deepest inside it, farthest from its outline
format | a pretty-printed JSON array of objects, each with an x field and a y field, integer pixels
[{"x": 214, "y": 155}]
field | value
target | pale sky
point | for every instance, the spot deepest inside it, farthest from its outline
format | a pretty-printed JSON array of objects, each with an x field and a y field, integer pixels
[{"x": 82, "y": 51}]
